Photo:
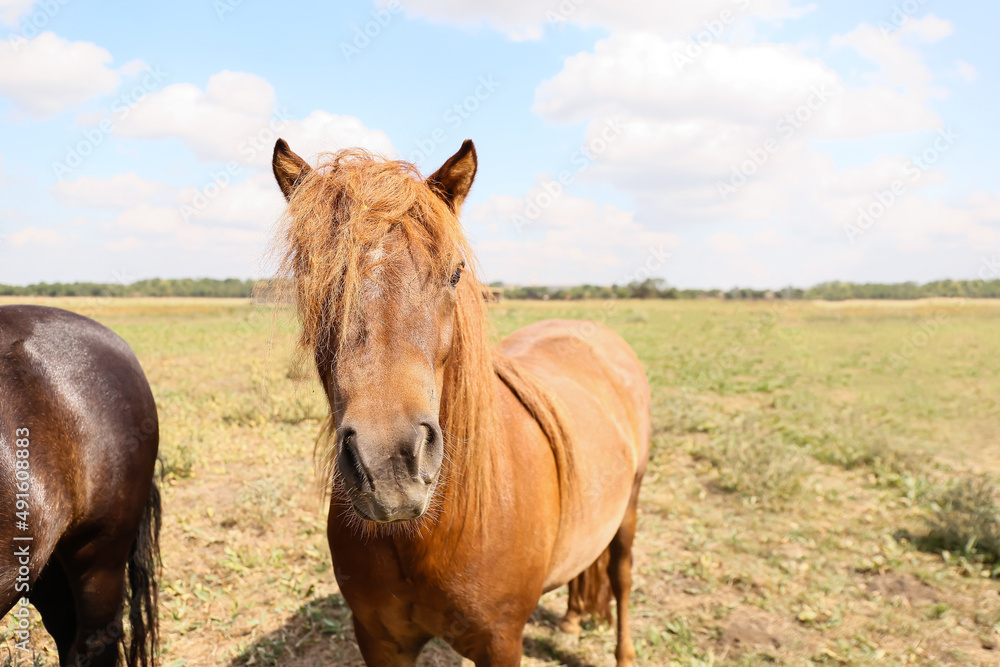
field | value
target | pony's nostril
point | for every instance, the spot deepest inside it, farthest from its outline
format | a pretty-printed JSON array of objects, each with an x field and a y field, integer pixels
[
  {"x": 429, "y": 456},
  {"x": 351, "y": 459},
  {"x": 430, "y": 436}
]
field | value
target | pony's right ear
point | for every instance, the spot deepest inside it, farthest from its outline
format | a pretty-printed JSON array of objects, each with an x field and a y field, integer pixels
[{"x": 289, "y": 168}]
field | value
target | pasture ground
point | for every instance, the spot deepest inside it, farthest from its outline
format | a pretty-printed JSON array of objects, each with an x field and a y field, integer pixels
[{"x": 820, "y": 490}]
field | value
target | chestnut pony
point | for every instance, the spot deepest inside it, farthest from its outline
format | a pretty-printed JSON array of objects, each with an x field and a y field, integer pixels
[
  {"x": 79, "y": 512},
  {"x": 466, "y": 480}
]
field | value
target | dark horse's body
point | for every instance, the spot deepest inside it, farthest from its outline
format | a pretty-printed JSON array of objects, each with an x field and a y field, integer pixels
[{"x": 79, "y": 434}]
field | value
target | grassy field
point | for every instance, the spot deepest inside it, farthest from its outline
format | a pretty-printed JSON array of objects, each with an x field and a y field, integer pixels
[{"x": 820, "y": 490}]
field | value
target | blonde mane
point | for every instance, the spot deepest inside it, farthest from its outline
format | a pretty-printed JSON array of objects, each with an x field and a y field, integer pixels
[{"x": 330, "y": 249}]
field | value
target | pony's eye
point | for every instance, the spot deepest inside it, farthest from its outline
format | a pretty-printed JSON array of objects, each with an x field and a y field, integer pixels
[{"x": 455, "y": 277}]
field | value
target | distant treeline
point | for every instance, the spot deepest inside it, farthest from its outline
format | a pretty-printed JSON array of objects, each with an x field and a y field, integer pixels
[
  {"x": 155, "y": 287},
  {"x": 834, "y": 291},
  {"x": 648, "y": 289}
]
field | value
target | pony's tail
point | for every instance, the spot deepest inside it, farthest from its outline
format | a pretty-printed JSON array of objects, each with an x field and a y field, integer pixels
[
  {"x": 590, "y": 593},
  {"x": 143, "y": 590}
]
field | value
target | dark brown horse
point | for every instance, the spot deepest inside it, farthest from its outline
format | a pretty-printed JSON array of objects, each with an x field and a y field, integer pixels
[
  {"x": 79, "y": 512},
  {"x": 466, "y": 480}
]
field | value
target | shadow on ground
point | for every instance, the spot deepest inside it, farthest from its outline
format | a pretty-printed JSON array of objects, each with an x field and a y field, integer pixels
[{"x": 320, "y": 634}]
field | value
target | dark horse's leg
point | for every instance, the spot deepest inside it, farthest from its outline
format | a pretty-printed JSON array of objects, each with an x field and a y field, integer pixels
[
  {"x": 96, "y": 573},
  {"x": 53, "y": 598},
  {"x": 620, "y": 573}
]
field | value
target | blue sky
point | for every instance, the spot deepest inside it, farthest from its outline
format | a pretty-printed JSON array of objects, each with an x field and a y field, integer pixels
[{"x": 729, "y": 142}]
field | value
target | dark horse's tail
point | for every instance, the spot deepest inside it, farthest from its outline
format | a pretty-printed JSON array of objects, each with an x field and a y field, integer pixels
[
  {"x": 143, "y": 565},
  {"x": 590, "y": 592}
]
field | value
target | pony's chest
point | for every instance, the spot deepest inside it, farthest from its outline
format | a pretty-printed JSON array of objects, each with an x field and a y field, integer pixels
[{"x": 384, "y": 589}]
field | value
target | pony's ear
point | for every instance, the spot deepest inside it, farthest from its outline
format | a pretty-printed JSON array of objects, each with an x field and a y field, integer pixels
[
  {"x": 453, "y": 180},
  {"x": 289, "y": 168}
]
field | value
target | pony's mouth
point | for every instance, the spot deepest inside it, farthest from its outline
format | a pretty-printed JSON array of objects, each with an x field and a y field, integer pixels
[
  {"x": 366, "y": 514},
  {"x": 363, "y": 514}
]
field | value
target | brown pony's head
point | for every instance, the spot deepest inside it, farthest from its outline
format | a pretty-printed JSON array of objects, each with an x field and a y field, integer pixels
[{"x": 388, "y": 300}]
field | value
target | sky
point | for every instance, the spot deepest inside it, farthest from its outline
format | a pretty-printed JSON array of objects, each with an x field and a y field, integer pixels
[{"x": 752, "y": 143}]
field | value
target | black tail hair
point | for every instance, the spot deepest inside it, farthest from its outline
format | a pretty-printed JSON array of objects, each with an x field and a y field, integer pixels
[{"x": 143, "y": 589}]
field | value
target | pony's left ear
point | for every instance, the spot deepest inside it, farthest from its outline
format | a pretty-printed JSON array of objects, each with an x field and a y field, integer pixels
[
  {"x": 454, "y": 179},
  {"x": 289, "y": 168}
]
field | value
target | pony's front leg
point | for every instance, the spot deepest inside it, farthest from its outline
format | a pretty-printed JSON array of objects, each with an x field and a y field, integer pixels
[
  {"x": 383, "y": 651},
  {"x": 502, "y": 648}
]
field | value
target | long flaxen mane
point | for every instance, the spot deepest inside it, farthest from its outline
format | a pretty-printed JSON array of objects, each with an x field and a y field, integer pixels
[{"x": 330, "y": 248}]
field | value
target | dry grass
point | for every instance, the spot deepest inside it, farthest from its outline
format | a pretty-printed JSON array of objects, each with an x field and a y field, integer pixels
[
  {"x": 759, "y": 466},
  {"x": 966, "y": 520},
  {"x": 793, "y": 457}
]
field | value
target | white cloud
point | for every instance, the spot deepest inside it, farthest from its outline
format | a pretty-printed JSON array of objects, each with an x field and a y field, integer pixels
[
  {"x": 119, "y": 191},
  {"x": 768, "y": 237},
  {"x": 744, "y": 115},
  {"x": 48, "y": 74},
  {"x": 133, "y": 67},
  {"x": 726, "y": 242},
  {"x": 747, "y": 117},
  {"x": 528, "y": 19},
  {"x": 190, "y": 219},
  {"x": 167, "y": 225},
  {"x": 236, "y": 119},
  {"x": 127, "y": 243},
  {"x": 915, "y": 223},
  {"x": 149, "y": 218},
  {"x": 648, "y": 78},
  {"x": 899, "y": 64},
  {"x": 917, "y": 237},
  {"x": 967, "y": 72},
  {"x": 215, "y": 123},
  {"x": 33, "y": 236},
  {"x": 12, "y": 10},
  {"x": 252, "y": 204},
  {"x": 566, "y": 239},
  {"x": 929, "y": 29},
  {"x": 321, "y": 131}
]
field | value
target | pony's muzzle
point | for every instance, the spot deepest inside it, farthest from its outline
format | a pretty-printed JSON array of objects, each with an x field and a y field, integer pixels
[{"x": 390, "y": 473}]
